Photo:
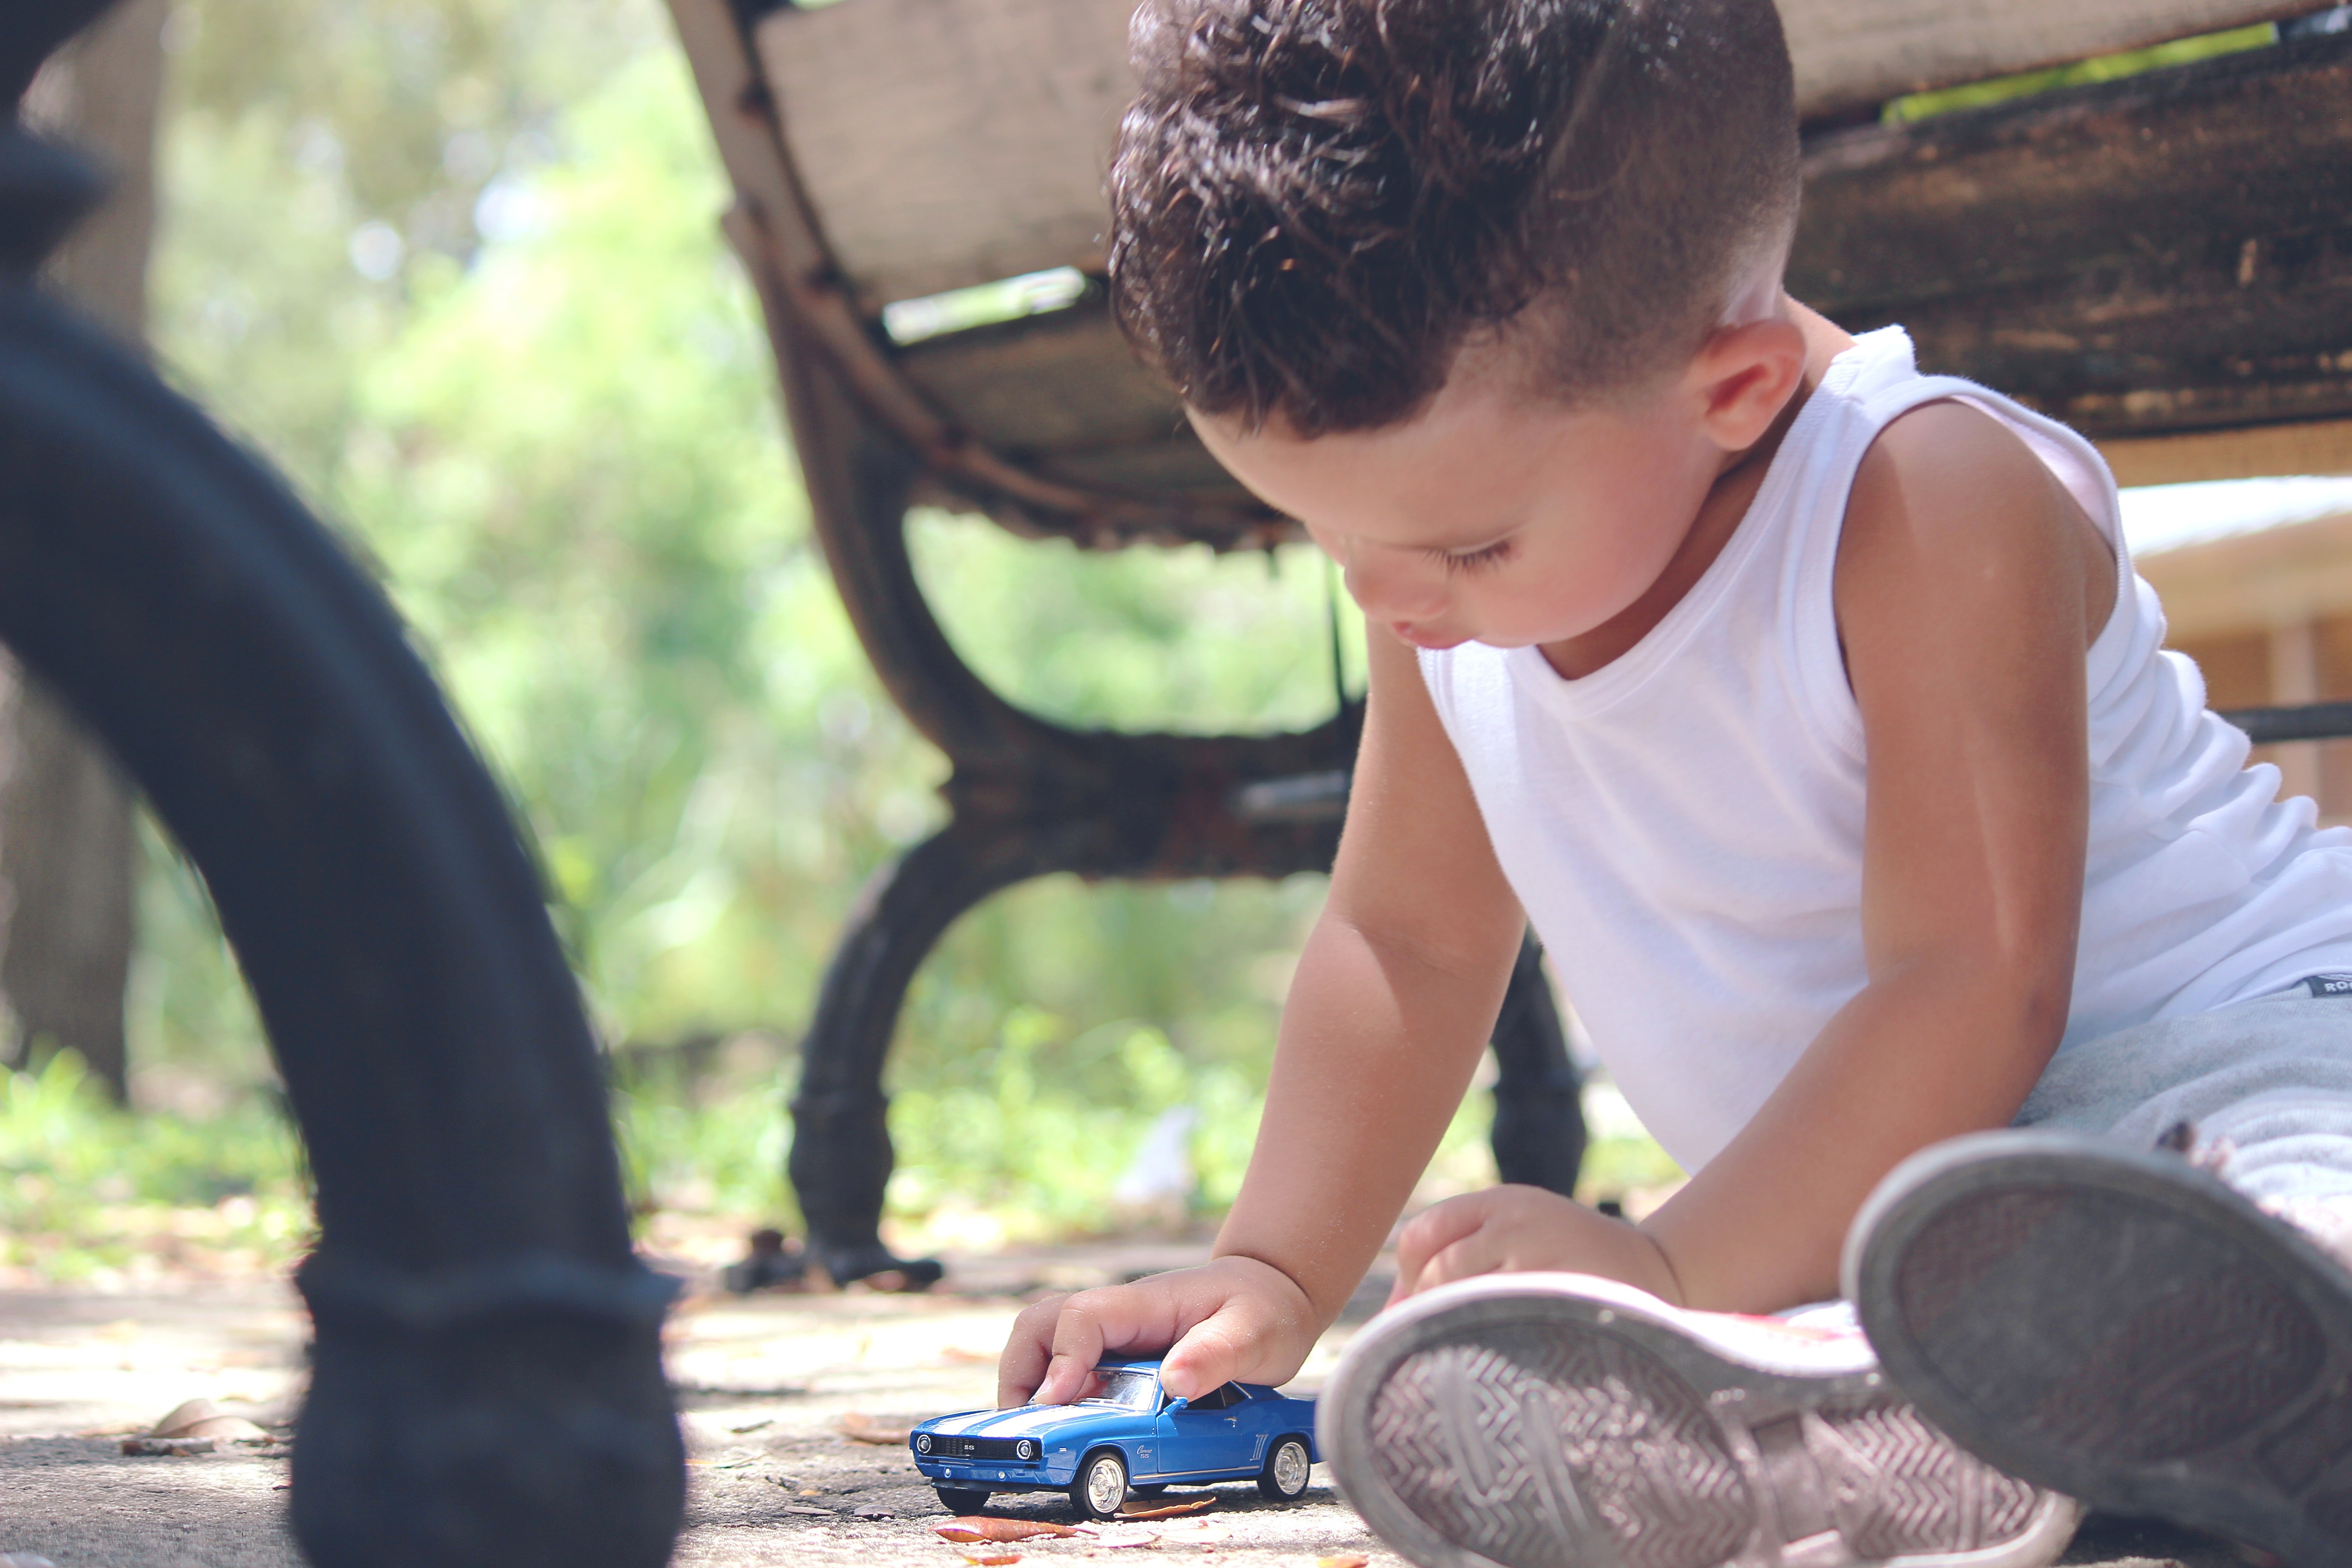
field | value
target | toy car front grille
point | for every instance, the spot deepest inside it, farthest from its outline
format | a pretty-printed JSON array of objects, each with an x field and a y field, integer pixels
[{"x": 1003, "y": 1450}]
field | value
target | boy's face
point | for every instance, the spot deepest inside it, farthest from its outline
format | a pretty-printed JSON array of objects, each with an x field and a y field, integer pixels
[{"x": 1491, "y": 516}]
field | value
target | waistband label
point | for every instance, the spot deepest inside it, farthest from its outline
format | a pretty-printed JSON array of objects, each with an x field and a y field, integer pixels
[{"x": 2329, "y": 985}]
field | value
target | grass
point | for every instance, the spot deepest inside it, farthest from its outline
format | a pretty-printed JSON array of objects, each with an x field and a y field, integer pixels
[{"x": 92, "y": 1194}]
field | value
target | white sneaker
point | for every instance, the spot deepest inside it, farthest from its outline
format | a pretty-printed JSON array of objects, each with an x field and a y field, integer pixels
[
  {"x": 2121, "y": 1324},
  {"x": 1562, "y": 1421}
]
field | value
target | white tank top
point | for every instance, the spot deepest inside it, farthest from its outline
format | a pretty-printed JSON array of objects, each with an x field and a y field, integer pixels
[{"x": 1685, "y": 825}]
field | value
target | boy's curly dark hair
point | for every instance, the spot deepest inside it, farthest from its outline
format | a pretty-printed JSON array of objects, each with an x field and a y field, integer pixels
[{"x": 1317, "y": 203}]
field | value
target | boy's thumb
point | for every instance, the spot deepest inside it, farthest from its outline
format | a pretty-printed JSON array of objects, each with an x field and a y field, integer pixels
[{"x": 1194, "y": 1367}]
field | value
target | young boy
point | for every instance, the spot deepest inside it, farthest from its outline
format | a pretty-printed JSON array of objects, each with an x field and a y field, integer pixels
[{"x": 1811, "y": 710}]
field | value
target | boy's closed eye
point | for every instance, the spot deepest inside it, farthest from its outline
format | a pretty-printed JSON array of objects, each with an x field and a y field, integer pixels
[{"x": 1480, "y": 558}]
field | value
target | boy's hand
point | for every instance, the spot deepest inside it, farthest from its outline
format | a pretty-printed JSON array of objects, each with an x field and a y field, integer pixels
[
  {"x": 1513, "y": 1229},
  {"x": 1234, "y": 1318}
]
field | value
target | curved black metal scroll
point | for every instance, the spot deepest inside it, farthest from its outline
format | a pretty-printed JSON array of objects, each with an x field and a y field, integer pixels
[{"x": 487, "y": 1383}]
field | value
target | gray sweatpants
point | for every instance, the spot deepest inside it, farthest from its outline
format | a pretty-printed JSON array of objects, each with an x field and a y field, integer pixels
[{"x": 2265, "y": 1084}]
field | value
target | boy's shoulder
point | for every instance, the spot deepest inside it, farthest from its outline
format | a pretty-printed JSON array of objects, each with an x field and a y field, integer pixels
[
  {"x": 1949, "y": 487},
  {"x": 1951, "y": 440},
  {"x": 1968, "y": 580}
]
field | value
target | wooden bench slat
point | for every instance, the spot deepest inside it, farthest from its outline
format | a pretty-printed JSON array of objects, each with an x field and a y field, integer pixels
[
  {"x": 1050, "y": 382},
  {"x": 950, "y": 142},
  {"x": 2088, "y": 252},
  {"x": 2166, "y": 254},
  {"x": 1856, "y": 54},
  {"x": 1179, "y": 466}
]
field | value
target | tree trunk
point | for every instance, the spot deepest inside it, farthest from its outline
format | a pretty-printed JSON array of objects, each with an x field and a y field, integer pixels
[{"x": 67, "y": 845}]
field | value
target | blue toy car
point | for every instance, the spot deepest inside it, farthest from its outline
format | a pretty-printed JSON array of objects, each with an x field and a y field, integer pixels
[{"x": 1123, "y": 1436}]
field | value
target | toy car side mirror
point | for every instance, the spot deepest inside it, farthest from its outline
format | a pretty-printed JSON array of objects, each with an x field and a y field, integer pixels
[{"x": 1176, "y": 1403}]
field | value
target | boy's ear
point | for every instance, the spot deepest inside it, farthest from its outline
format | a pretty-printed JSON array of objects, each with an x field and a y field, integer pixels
[{"x": 1744, "y": 377}]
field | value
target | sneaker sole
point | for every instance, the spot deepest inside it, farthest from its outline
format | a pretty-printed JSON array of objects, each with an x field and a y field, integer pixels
[
  {"x": 1557, "y": 1421},
  {"x": 2122, "y": 1327}
]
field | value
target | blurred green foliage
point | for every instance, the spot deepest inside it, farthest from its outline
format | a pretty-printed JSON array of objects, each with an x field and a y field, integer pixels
[
  {"x": 454, "y": 265},
  {"x": 87, "y": 1187}
]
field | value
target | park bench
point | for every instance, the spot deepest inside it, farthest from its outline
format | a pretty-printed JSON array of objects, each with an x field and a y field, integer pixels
[{"x": 2163, "y": 261}]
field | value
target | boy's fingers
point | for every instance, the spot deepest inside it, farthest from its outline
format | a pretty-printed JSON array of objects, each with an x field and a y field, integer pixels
[
  {"x": 1474, "y": 1255},
  {"x": 1027, "y": 1351},
  {"x": 1208, "y": 1355},
  {"x": 1077, "y": 1346},
  {"x": 1430, "y": 1233},
  {"x": 1231, "y": 1319},
  {"x": 1251, "y": 1336},
  {"x": 1140, "y": 1317}
]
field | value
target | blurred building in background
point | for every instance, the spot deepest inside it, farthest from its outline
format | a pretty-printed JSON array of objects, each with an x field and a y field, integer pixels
[{"x": 2266, "y": 612}]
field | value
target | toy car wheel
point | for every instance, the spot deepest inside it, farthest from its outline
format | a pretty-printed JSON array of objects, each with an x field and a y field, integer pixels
[
  {"x": 1101, "y": 1486},
  {"x": 961, "y": 1499},
  {"x": 1284, "y": 1477}
]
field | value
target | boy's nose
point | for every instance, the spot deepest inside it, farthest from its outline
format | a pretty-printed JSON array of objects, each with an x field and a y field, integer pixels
[{"x": 1389, "y": 585}]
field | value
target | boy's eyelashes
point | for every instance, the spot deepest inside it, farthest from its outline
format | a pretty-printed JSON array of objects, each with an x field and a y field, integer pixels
[{"x": 1486, "y": 555}]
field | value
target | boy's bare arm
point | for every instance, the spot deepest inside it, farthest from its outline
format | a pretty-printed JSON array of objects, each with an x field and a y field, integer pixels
[
  {"x": 1394, "y": 993},
  {"x": 1394, "y": 997},
  {"x": 1969, "y": 586}
]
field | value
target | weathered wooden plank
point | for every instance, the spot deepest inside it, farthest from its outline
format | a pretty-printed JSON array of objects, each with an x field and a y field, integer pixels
[
  {"x": 2145, "y": 258},
  {"x": 1178, "y": 465},
  {"x": 1855, "y": 54},
  {"x": 1065, "y": 394},
  {"x": 948, "y": 142},
  {"x": 1046, "y": 384},
  {"x": 2169, "y": 254}
]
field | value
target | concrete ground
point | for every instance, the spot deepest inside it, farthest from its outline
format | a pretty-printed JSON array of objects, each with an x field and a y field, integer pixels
[{"x": 764, "y": 1384}]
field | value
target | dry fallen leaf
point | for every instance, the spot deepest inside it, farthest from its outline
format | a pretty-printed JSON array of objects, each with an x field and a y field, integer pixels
[
  {"x": 1344, "y": 1560},
  {"x": 202, "y": 1418},
  {"x": 803, "y": 1508},
  {"x": 976, "y": 1527},
  {"x": 1122, "y": 1538},
  {"x": 1169, "y": 1510},
  {"x": 1193, "y": 1532},
  {"x": 153, "y": 1447},
  {"x": 860, "y": 1427},
  {"x": 188, "y": 1412},
  {"x": 987, "y": 1559}
]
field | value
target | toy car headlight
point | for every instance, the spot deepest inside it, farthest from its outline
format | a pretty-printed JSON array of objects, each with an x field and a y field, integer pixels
[
  {"x": 922, "y": 1442},
  {"x": 1024, "y": 1449}
]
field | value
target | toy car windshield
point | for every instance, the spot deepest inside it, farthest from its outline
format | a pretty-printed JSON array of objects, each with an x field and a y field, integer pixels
[{"x": 1124, "y": 1387}]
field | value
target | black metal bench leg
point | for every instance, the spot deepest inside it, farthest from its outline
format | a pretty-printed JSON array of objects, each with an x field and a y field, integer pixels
[
  {"x": 841, "y": 1157},
  {"x": 1540, "y": 1133},
  {"x": 487, "y": 1384}
]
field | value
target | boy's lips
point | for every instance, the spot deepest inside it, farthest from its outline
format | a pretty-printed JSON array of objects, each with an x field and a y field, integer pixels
[{"x": 1422, "y": 637}]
